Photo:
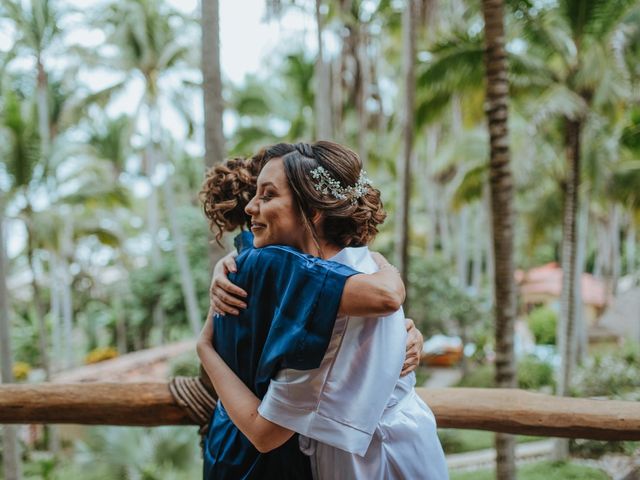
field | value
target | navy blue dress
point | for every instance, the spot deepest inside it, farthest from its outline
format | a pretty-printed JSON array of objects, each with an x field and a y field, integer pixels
[{"x": 292, "y": 306}]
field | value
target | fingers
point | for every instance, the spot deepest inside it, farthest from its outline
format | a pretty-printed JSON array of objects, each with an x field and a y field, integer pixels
[
  {"x": 223, "y": 283},
  {"x": 230, "y": 264},
  {"x": 222, "y": 308},
  {"x": 410, "y": 324}
]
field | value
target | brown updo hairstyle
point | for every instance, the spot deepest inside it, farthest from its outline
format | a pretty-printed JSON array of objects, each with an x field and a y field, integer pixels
[
  {"x": 226, "y": 190},
  {"x": 349, "y": 222},
  {"x": 230, "y": 186}
]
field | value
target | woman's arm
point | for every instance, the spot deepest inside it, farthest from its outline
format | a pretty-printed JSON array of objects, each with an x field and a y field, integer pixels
[
  {"x": 374, "y": 295},
  {"x": 377, "y": 294},
  {"x": 240, "y": 403}
]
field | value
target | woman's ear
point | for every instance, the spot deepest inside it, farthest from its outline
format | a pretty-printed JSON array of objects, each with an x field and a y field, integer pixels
[{"x": 316, "y": 218}]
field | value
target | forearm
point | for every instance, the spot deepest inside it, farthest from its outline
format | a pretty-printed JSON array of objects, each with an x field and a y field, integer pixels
[
  {"x": 378, "y": 294},
  {"x": 240, "y": 403}
]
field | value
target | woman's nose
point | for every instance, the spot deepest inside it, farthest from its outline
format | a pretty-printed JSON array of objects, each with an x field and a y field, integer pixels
[{"x": 250, "y": 209}]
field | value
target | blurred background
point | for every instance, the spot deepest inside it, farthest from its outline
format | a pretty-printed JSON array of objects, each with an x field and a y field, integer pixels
[{"x": 110, "y": 112}]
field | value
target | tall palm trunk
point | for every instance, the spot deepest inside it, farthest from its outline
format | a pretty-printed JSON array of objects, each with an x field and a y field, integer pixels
[
  {"x": 212, "y": 83},
  {"x": 186, "y": 277},
  {"x": 212, "y": 98},
  {"x": 38, "y": 307},
  {"x": 567, "y": 338},
  {"x": 67, "y": 298},
  {"x": 10, "y": 446},
  {"x": 404, "y": 174},
  {"x": 324, "y": 128},
  {"x": 43, "y": 107},
  {"x": 501, "y": 188},
  {"x": 362, "y": 90}
]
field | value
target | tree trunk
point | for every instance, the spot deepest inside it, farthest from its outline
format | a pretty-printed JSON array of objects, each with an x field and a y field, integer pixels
[
  {"x": 67, "y": 299},
  {"x": 429, "y": 189},
  {"x": 488, "y": 242},
  {"x": 212, "y": 84},
  {"x": 186, "y": 277},
  {"x": 324, "y": 130},
  {"x": 614, "y": 233},
  {"x": 56, "y": 311},
  {"x": 630, "y": 245},
  {"x": 462, "y": 261},
  {"x": 476, "y": 269},
  {"x": 43, "y": 108},
  {"x": 212, "y": 98},
  {"x": 501, "y": 187},
  {"x": 10, "y": 446},
  {"x": 153, "y": 214},
  {"x": 567, "y": 334},
  {"x": 582, "y": 337},
  {"x": 404, "y": 175},
  {"x": 362, "y": 91},
  {"x": 38, "y": 308}
]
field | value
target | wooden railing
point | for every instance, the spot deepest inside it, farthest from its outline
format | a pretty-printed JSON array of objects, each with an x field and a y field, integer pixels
[{"x": 497, "y": 410}]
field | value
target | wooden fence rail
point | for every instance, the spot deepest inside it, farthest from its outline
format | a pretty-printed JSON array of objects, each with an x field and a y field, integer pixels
[{"x": 497, "y": 410}]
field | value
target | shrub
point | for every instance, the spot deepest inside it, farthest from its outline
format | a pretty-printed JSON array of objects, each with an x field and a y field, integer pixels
[
  {"x": 186, "y": 365},
  {"x": 480, "y": 377},
  {"x": 608, "y": 375},
  {"x": 533, "y": 373},
  {"x": 542, "y": 323},
  {"x": 100, "y": 354},
  {"x": 21, "y": 370}
]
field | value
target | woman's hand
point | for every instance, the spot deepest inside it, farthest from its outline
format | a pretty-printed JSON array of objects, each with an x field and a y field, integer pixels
[
  {"x": 415, "y": 342},
  {"x": 225, "y": 296}
]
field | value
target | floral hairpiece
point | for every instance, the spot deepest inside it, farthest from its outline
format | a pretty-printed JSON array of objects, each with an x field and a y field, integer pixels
[{"x": 326, "y": 184}]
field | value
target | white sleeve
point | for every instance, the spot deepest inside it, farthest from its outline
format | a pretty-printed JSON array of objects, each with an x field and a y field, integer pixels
[{"x": 293, "y": 400}]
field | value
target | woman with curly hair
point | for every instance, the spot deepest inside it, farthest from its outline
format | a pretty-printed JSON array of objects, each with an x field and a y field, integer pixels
[{"x": 356, "y": 416}]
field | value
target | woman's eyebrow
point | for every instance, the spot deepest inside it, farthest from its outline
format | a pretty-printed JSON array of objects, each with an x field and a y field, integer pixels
[{"x": 268, "y": 184}]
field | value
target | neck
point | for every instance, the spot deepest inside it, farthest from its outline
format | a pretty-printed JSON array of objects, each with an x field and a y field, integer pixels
[{"x": 327, "y": 249}]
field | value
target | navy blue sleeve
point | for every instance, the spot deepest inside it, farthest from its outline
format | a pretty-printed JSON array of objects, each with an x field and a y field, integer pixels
[{"x": 304, "y": 293}]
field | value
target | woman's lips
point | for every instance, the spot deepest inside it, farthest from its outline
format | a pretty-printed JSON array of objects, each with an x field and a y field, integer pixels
[{"x": 257, "y": 226}]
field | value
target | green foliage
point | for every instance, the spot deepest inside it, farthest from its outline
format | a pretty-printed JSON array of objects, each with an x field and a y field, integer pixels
[
  {"x": 608, "y": 375},
  {"x": 186, "y": 365},
  {"x": 481, "y": 376},
  {"x": 540, "y": 471},
  {"x": 160, "y": 453},
  {"x": 586, "y": 448},
  {"x": 461, "y": 441},
  {"x": 543, "y": 324},
  {"x": 436, "y": 302},
  {"x": 534, "y": 374}
]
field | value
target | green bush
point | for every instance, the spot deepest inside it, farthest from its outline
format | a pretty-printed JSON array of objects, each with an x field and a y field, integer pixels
[
  {"x": 586, "y": 448},
  {"x": 480, "y": 377},
  {"x": 534, "y": 374},
  {"x": 185, "y": 365},
  {"x": 608, "y": 375},
  {"x": 542, "y": 323},
  {"x": 540, "y": 471}
]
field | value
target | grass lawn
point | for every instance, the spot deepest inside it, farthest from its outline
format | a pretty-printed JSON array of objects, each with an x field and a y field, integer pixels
[
  {"x": 460, "y": 441},
  {"x": 539, "y": 471}
]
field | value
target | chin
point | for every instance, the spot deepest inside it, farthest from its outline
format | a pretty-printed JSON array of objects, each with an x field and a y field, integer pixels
[{"x": 258, "y": 242}]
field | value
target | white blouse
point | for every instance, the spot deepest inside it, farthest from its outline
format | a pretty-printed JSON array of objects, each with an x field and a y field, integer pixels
[{"x": 356, "y": 417}]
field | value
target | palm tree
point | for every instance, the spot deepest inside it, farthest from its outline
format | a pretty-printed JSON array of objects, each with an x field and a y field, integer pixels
[
  {"x": 404, "y": 170},
  {"x": 324, "y": 129},
  {"x": 150, "y": 45},
  {"x": 212, "y": 83},
  {"x": 37, "y": 25},
  {"x": 214, "y": 141},
  {"x": 502, "y": 198},
  {"x": 11, "y": 453}
]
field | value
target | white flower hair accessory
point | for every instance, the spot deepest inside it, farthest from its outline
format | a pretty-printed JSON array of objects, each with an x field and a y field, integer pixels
[{"x": 327, "y": 185}]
